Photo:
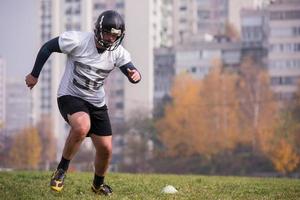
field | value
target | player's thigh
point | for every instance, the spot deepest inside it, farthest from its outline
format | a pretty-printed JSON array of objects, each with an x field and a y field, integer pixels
[
  {"x": 100, "y": 122},
  {"x": 80, "y": 120},
  {"x": 75, "y": 111}
]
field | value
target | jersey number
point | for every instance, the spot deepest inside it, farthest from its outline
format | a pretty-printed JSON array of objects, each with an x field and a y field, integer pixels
[{"x": 88, "y": 83}]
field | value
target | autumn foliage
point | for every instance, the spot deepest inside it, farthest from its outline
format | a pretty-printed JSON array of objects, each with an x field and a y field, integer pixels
[
  {"x": 258, "y": 106},
  {"x": 226, "y": 110},
  {"x": 26, "y": 149},
  {"x": 202, "y": 119},
  {"x": 284, "y": 145}
]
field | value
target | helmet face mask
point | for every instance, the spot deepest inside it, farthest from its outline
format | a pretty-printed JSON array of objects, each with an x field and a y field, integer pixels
[{"x": 109, "y": 25}]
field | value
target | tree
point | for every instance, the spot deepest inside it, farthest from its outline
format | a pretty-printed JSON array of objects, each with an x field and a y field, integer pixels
[
  {"x": 284, "y": 157},
  {"x": 26, "y": 149},
  {"x": 176, "y": 127},
  {"x": 219, "y": 116},
  {"x": 258, "y": 107},
  {"x": 272, "y": 131},
  {"x": 225, "y": 112},
  {"x": 284, "y": 146},
  {"x": 203, "y": 116}
]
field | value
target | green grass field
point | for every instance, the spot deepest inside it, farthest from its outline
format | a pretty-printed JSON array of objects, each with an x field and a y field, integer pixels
[{"x": 34, "y": 185}]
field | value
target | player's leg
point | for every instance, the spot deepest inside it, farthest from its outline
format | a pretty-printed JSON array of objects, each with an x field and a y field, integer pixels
[
  {"x": 80, "y": 126},
  {"x": 103, "y": 146},
  {"x": 102, "y": 140},
  {"x": 76, "y": 114}
]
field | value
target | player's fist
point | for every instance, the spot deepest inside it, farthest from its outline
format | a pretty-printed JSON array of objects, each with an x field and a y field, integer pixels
[
  {"x": 30, "y": 81},
  {"x": 134, "y": 75}
]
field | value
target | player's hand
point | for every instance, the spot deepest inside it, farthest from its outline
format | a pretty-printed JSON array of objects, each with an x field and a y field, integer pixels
[
  {"x": 134, "y": 75},
  {"x": 30, "y": 81}
]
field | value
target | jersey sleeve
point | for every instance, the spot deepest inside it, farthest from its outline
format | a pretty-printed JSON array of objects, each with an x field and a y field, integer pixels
[
  {"x": 123, "y": 57},
  {"x": 68, "y": 41}
]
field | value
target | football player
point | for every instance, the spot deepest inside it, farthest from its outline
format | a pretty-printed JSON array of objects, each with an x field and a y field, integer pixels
[{"x": 91, "y": 56}]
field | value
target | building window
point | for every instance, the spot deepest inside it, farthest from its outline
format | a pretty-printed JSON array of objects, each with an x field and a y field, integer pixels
[
  {"x": 203, "y": 14},
  {"x": 285, "y": 15},
  {"x": 119, "y": 92},
  {"x": 284, "y": 80},
  {"x": 285, "y": 48},
  {"x": 183, "y": 8},
  {"x": 183, "y": 20},
  {"x": 284, "y": 95},
  {"x": 119, "y": 105},
  {"x": 285, "y": 32},
  {"x": 193, "y": 69}
]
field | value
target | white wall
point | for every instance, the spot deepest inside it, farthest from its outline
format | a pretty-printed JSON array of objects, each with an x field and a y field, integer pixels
[{"x": 138, "y": 41}]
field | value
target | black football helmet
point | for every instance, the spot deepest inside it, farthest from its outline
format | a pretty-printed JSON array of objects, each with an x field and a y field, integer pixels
[{"x": 111, "y": 22}]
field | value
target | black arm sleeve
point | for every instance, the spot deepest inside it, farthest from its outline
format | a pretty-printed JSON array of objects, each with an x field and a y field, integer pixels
[
  {"x": 44, "y": 53},
  {"x": 124, "y": 68}
]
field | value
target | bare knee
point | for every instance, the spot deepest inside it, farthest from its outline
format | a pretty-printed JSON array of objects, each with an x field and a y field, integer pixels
[
  {"x": 79, "y": 132},
  {"x": 105, "y": 152},
  {"x": 80, "y": 125}
]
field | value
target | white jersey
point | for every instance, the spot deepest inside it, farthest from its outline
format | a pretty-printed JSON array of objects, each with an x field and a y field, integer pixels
[{"x": 86, "y": 69}]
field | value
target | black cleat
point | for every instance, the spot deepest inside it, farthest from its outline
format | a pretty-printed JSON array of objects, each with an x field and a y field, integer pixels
[
  {"x": 57, "y": 180},
  {"x": 102, "y": 190}
]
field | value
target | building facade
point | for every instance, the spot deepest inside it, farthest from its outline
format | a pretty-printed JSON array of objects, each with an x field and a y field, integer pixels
[
  {"x": 193, "y": 19},
  {"x": 198, "y": 58},
  {"x": 18, "y": 110},
  {"x": 236, "y": 7},
  {"x": 254, "y": 34},
  {"x": 164, "y": 72},
  {"x": 284, "y": 47},
  {"x": 139, "y": 42}
]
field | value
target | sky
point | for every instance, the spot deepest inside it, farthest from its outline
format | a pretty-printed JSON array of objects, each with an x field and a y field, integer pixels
[{"x": 18, "y": 35}]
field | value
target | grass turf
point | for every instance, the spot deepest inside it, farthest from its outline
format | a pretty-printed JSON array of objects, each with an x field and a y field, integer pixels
[{"x": 35, "y": 185}]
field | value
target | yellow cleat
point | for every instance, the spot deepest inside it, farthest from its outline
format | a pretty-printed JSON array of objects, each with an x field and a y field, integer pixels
[{"x": 57, "y": 180}]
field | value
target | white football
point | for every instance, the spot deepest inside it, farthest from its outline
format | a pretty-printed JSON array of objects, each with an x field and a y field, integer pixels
[{"x": 169, "y": 189}]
